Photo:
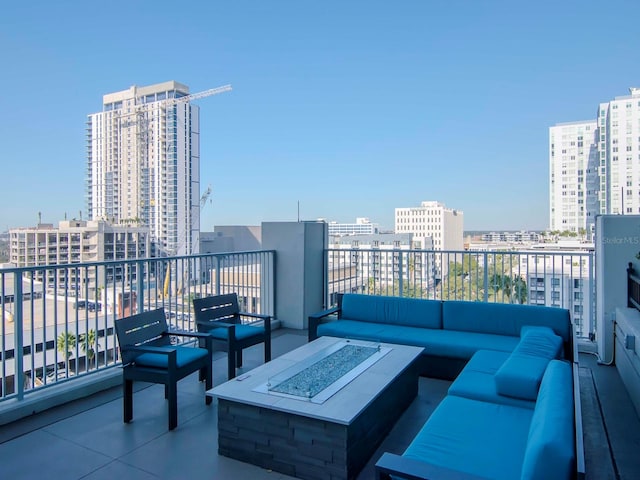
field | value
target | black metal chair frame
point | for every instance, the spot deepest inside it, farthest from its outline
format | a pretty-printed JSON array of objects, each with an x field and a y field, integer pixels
[
  {"x": 222, "y": 311},
  {"x": 148, "y": 333}
]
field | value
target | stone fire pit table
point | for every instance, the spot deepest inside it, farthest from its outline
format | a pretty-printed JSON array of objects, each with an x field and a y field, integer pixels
[{"x": 319, "y": 411}]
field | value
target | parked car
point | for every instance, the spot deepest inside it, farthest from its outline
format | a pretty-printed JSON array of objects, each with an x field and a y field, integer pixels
[
  {"x": 80, "y": 305},
  {"x": 93, "y": 306}
]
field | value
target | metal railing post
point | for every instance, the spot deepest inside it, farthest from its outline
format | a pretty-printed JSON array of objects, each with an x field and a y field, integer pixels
[
  {"x": 218, "y": 262},
  {"x": 139, "y": 287},
  {"x": 18, "y": 323},
  {"x": 485, "y": 278},
  {"x": 400, "y": 274}
]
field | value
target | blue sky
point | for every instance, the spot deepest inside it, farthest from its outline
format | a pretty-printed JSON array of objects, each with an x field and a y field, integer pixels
[{"x": 351, "y": 108}]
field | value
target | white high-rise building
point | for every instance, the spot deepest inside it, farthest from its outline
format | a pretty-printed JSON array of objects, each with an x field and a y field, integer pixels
[
  {"x": 604, "y": 165},
  {"x": 573, "y": 159},
  {"x": 432, "y": 219},
  {"x": 143, "y": 164},
  {"x": 619, "y": 152}
]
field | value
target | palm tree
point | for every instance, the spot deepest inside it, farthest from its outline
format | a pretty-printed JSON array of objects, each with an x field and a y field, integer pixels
[
  {"x": 65, "y": 344},
  {"x": 87, "y": 342}
]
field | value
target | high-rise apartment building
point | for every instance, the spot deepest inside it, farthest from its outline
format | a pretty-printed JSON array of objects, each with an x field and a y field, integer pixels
[
  {"x": 619, "y": 154},
  {"x": 432, "y": 219},
  {"x": 604, "y": 165},
  {"x": 143, "y": 164},
  {"x": 573, "y": 161}
]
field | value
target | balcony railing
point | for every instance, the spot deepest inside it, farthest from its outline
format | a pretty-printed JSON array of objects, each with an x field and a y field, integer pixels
[
  {"x": 556, "y": 279},
  {"x": 56, "y": 322}
]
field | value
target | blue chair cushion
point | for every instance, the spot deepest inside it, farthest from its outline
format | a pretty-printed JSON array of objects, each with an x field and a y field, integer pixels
[
  {"x": 550, "y": 451},
  {"x": 184, "y": 356},
  {"x": 476, "y": 380},
  {"x": 480, "y": 438},
  {"x": 392, "y": 310},
  {"x": 520, "y": 375},
  {"x": 242, "y": 332}
]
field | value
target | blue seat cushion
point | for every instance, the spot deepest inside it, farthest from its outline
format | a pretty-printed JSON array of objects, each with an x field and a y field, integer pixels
[
  {"x": 442, "y": 343},
  {"x": 550, "y": 451},
  {"x": 520, "y": 375},
  {"x": 476, "y": 380},
  {"x": 184, "y": 356},
  {"x": 392, "y": 310},
  {"x": 242, "y": 332},
  {"x": 479, "y": 438}
]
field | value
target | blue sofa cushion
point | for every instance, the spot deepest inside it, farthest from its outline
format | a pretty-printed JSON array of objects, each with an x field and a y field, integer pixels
[
  {"x": 392, "y": 310},
  {"x": 479, "y": 438},
  {"x": 184, "y": 355},
  {"x": 357, "y": 330},
  {"x": 502, "y": 318},
  {"x": 476, "y": 380},
  {"x": 520, "y": 375},
  {"x": 441, "y": 343},
  {"x": 550, "y": 451}
]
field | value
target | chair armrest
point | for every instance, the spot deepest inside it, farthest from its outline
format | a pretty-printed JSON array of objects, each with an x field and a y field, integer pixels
[
  {"x": 411, "y": 469},
  {"x": 261, "y": 316},
  {"x": 199, "y": 335},
  {"x": 265, "y": 318},
  {"x": 316, "y": 319},
  {"x": 186, "y": 333}
]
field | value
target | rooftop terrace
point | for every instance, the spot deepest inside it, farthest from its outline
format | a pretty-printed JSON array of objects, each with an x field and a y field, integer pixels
[{"x": 86, "y": 439}]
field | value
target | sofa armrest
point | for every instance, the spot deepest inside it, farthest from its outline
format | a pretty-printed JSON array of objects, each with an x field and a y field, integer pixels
[
  {"x": 316, "y": 319},
  {"x": 411, "y": 469}
]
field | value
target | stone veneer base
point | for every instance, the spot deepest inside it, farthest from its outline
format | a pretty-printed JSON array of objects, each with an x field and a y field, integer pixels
[{"x": 309, "y": 448}]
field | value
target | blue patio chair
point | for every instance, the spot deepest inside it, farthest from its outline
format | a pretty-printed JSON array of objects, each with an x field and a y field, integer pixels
[
  {"x": 220, "y": 316},
  {"x": 149, "y": 356}
]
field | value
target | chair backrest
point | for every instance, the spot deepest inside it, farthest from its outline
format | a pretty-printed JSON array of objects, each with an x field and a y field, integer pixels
[
  {"x": 147, "y": 328},
  {"x": 217, "y": 308}
]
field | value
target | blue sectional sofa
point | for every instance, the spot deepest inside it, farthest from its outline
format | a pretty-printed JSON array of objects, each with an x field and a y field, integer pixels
[
  {"x": 513, "y": 408},
  {"x": 450, "y": 331}
]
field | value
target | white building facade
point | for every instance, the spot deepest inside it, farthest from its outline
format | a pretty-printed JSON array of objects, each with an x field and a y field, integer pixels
[
  {"x": 143, "y": 164},
  {"x": 363, "y": 226},
  {"x": 619, "y": 154},
  {"x": 600, "y": 166},
  {"x": 432, "y": 219},
  {"x": 573, "y": 165}
]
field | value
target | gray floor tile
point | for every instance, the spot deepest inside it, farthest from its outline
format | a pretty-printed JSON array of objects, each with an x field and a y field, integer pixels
[
  {"x": 117, "y": 470},
  {"x": 39, "y": 454}
]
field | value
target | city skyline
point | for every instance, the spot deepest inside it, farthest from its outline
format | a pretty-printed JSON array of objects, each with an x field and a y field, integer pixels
[{"x": 346, "y": 110}]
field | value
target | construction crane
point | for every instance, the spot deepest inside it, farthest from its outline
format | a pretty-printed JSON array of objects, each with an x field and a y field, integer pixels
[
  {"x": 139, "y": 108},
  {"x": 196, "y": 96},
  {"x": 167, "y": 279}
]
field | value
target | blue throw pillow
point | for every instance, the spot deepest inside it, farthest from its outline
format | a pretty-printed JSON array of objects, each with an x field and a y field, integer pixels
[{"x": 520, "y": 375}]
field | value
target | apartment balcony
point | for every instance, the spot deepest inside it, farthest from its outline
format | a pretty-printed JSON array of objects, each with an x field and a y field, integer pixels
[{"x": 77, "y": 430}]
